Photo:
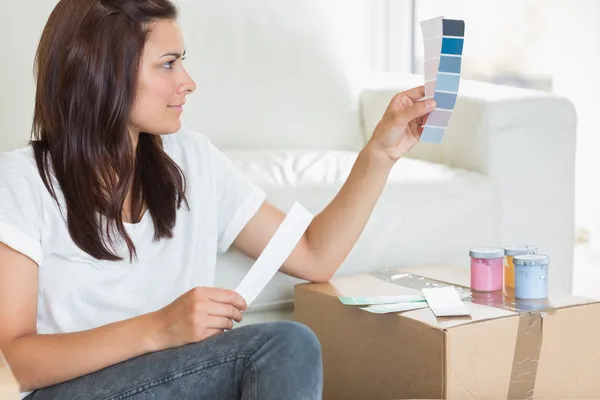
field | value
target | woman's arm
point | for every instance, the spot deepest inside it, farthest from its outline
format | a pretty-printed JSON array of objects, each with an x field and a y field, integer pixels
[
  {"x": 42, "y": 360},
  {"x": 333, "y": 232}
]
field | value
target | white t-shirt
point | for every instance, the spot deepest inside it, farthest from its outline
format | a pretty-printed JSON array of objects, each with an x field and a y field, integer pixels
[{"x": 77, "y": 291}]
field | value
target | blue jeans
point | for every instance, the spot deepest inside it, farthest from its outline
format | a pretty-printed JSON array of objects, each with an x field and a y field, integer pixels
[{"x": 279, "y": 360}]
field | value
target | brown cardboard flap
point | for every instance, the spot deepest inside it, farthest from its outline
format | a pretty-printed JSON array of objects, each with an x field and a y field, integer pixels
[
  {"x": 496, "y": 304},
  {"x": 478, "y": 312},
  {"x": 361, "y": 337},
  {"x": 509, "y": 348},
  {"x": 569, "y": 364},
  {"x": 528, "y": 341},
  {"x": 479, "y": 359},
  {"x": 370, "y": 285},
  {"x": 365, "y": 285}
]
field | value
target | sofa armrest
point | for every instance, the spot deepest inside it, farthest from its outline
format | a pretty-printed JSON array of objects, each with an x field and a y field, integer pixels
[{"x": 523, "y": 140}]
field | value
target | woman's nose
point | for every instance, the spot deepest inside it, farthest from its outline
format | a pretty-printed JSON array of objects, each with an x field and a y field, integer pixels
[{"x": 188, "y": 85}]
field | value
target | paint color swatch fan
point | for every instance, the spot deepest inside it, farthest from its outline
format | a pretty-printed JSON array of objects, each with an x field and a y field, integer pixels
[{"x": 443, "y": 40}]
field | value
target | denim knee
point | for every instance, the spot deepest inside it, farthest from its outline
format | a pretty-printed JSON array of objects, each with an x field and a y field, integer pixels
[
  {"x": 298, "y": 340},
  {"x": 298, "y": 335},
  {"x": 287, "y": 360}
]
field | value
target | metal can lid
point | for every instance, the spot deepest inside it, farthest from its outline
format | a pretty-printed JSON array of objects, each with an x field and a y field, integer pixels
[
  {"x": 531, "y": 259},
  {"x": 486, "y": 252},
  {"x": 520, "y": 249}
]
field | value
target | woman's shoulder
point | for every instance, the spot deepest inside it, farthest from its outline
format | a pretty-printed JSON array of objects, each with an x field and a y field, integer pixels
[
  {"x": 21, "y": 186},
  {"x": 18, "y": 164}
]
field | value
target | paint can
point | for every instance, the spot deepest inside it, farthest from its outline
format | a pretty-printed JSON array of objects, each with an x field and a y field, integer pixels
[
  {"x": 531, "y": 276},
  {"x": 486, "y": 268},
  {"x": 509, "y": 268}
]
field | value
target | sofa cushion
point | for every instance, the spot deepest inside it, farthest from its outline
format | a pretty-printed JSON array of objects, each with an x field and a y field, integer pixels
[{"x": 428, "y": 213}]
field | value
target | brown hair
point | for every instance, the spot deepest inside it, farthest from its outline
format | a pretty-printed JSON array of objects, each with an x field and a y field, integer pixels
[{"x": 86, "y": 68}]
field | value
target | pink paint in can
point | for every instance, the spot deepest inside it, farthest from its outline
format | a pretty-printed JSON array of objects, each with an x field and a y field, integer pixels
[{"x": 487, "y": 269}]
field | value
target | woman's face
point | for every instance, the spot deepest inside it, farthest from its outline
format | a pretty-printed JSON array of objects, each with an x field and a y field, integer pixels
[{"x": 163, "y": 82}]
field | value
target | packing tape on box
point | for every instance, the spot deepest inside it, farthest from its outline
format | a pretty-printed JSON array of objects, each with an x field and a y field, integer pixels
[
  {"x": 528, "y": 344},
  {"x": 527, "y": 355}
]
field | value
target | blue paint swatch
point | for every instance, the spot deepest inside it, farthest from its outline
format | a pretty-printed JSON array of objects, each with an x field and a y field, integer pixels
[
  {"x": 453, "y": 27},
  {"x": 447, "y": 83},
  {"x": 432, "y": 134},
  {"x": 452, "y": 46},
  {"x": 450, "y": 64},
  {"x": 444, "y": 101},
  {"x": 447, "y": 80}
]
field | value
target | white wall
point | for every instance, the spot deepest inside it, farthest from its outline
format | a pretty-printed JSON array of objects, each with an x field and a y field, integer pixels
[
  {"x": 273, "y": 74},
  {"x": 576, "y": 64},
  {"x": 262, "y": 62},
  {"x": 21, "y": 24}
]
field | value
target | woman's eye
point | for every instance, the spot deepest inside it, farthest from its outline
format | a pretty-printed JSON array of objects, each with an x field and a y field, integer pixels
[{"x": 169, "y": 64}]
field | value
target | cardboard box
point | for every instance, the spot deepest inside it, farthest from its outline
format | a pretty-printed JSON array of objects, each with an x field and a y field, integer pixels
[
  {"x": 549, "y": 351},
  {"x": 9, "y": 387}
]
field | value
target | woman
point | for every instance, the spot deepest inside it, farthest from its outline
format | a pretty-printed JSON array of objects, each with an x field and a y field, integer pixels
[{"x": 111, "y": 221}]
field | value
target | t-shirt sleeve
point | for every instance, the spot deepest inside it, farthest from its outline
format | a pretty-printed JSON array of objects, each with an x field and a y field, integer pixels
[
  {"x": 238, "y": 199},
  {"x": 20, "y": 215}
]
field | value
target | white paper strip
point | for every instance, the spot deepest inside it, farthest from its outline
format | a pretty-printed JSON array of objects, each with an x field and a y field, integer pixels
[
  {"x": 371, "y": 300},
  {"x": 432, "y": 43},
  {"x": 432, "y": 50},
  {"x": 395, "y": 307},
  {"x": 275, "y": 253},
  {"x": 445, "y": 302},
  {"x": 401, "y": 298},
  {"x": 432, "y": 28}
]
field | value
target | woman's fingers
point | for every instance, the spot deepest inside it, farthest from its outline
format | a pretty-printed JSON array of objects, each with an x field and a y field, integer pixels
[
  {"x": 214, "y": 322},
  {"x": 224, "y": 310},
  {"x": 415, "y": 93}
]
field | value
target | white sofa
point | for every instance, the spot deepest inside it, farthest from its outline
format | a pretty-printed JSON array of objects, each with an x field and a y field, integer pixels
[
  {"x": 284, "y": 93},
  {"x": 283, "y": 90},
  {"x": 504, "y": 174}
]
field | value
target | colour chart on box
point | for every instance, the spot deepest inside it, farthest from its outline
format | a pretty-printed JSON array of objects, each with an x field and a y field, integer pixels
[{"x": 443, "y": 41}]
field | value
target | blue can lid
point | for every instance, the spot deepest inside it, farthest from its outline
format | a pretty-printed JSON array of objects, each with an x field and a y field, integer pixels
[
  {"x": 531, "y": 259},
  {"x": 486, "y": 252},
  {"x": 520, "y": 249}
]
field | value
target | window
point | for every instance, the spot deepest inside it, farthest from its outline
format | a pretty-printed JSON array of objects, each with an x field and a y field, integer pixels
[
  {"x": 550, "y": 45},
  {"x": 507, "y": 43}
]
